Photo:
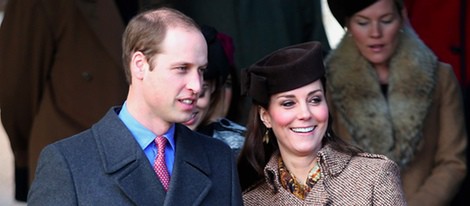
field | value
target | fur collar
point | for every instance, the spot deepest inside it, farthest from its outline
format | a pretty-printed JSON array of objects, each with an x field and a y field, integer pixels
[{"x": 392, "y": 125}]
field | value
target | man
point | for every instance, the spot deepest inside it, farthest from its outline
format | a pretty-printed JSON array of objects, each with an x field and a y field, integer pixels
[
  {"x": 113, "y": 162},
  {"x": 60, "y": 71}
]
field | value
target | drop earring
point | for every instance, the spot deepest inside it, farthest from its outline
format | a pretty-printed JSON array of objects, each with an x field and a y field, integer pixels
[{"x": 266, "y": 137}]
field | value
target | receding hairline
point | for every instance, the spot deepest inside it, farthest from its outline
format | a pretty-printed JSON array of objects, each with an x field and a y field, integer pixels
[{"x": 171, "y": 18}]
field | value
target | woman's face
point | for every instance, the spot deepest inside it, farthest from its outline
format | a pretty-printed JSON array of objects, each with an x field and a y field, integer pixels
[
  {"x": 298, "y": 118},
  {"x": 227, "y": 95},
  {"x": 375, "y": 31},
  {"x": 223, "y": 102},
  {"x": 202, "y": 106}
]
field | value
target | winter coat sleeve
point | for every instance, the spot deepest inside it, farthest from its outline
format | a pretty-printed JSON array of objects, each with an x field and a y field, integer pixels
[
  {"x": 53, "y": 184},
  {"x": 388, "y": 188},
  {"x": 450, "y": 163}
]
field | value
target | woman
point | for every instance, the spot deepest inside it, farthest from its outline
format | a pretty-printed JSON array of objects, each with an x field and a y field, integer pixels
[
  {"x": 390, "y": 95},
  {"x": 291, "y": 156},
  {"x": 211, "y": 99}
]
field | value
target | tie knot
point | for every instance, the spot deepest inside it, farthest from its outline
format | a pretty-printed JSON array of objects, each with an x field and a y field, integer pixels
[{"x": 161, "y": 142}]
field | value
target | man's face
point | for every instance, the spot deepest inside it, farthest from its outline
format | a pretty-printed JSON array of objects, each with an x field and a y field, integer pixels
[{"x": 171, "y": 89}]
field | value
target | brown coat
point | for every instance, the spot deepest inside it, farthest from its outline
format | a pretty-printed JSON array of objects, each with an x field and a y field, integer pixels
[
  {"x": 365, "y": 179},
  {"x": 60, "y": 70},
  {"x": 420, "y": 124}
]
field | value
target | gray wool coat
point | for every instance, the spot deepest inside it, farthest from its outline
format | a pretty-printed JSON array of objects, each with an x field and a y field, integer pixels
[
  {"x": 365, "y": 179},
  {"x": 105, "y": 166}
]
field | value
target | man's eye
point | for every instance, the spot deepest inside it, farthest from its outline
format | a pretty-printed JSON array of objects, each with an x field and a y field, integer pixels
[{"x": 182, "y": 68}]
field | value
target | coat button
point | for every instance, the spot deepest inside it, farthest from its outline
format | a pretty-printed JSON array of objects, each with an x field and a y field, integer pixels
[{"x": 87, "y": 76}]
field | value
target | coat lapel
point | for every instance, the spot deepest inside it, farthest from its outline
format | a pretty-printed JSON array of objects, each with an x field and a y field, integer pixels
[
  {"x": 106, "y": 22},
  {"x": 126, "y": 163},
  {"x": 191, "y": 170}
]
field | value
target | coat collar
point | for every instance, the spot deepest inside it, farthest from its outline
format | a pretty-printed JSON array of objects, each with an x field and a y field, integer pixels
[
  {"x": 192, "y": 169},
  {"x": 392, "y": 125},
  {"x": 106, "y": 22},
  {"x": 332, "y": 163},
  {"x": 127, "y": 164}
]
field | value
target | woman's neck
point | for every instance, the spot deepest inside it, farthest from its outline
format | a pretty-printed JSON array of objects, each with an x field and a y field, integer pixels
[
  {"x": 299, "y": 166},
  {"x": 382, "y": 71}
]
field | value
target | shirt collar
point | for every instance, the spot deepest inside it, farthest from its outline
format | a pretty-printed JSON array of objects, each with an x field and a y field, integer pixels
[{"x": 144, "y": 136}]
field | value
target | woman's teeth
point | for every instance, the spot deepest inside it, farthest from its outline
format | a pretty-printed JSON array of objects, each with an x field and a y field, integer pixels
[{"x": 303, "y": 129}]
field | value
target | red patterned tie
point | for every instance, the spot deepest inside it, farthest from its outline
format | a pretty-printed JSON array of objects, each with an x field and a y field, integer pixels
[{"x": 159, "y": 165}]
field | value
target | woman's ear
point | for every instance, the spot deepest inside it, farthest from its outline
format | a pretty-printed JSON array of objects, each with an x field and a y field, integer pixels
[
  {"x": 139, "y": 65},
  {"x": 265, "y": 117}
]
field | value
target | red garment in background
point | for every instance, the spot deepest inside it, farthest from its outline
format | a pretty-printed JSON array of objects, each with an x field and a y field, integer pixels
[{"x": 438, "y": 24}]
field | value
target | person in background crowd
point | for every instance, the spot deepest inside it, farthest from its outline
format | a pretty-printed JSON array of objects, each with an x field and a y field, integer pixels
[
  {"x": 258, "y": 27},
  {"x": 211, "y": 102},
  {"x": 389, "y": 94},
  {"x": 139, "y": 154},
  {"x": 60, "y": 70},
  {"x": 229, "y": 104},
  {"x": 429, "y": 19},
  {"x": 291, "y": 155}
]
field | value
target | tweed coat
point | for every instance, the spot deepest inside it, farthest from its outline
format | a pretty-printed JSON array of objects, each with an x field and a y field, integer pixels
[
  {"x": 420, "y": 124},
  {"x": 365, "y": 179},
  {"x": 105, "y": 166},
  {"x": 60, "y": 70}
]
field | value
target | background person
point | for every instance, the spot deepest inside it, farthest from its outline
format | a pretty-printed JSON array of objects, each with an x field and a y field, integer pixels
[
  {"x": 429, "y": 18},
  {"x": 389, "y": 94},
  {"x": 213, "y": 103},
  {"x": 60, "y": 71}
]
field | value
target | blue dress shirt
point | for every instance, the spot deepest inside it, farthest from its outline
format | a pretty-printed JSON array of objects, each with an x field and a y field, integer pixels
[{"x": 146, "y": 138}]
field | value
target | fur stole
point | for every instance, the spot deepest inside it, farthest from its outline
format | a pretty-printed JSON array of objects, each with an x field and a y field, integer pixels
[{"x": 389, "y": 125}]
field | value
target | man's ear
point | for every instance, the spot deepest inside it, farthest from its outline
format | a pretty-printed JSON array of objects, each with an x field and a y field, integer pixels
[
  {"x": 265, "y": 117},
  {"x": 139, "y": 65}
]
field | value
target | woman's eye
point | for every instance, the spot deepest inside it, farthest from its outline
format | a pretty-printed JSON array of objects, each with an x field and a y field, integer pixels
[
  {"x": 287, "y": 104},
  {"x": 228, "y": 83},
  {"x": 362, "y": 22},
  {"x": 387, "y": 21},
  {"x": 315, "y": 100},
  {"x": 204, "y": 89},
  {"x": 202, "y": 70}
]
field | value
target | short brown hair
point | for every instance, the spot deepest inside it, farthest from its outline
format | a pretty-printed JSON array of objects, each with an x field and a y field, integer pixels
[{"x": 146, "y": 32}]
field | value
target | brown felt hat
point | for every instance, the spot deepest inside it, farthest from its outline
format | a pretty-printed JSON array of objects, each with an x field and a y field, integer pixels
[
  {"x": 283, "y": 70},
  {"x": 342, "y": 9}
]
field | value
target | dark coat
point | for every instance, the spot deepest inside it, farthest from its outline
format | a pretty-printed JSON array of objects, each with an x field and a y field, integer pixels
[
  {"x": 60, "y": 70},
  {"x": 105, "y": 166},
  {"x": 365, "y": 179}
]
